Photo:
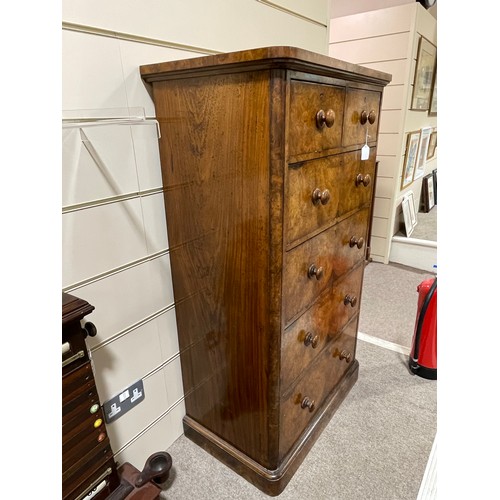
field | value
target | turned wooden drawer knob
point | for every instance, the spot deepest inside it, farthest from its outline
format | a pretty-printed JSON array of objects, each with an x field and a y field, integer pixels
[
  {"x": 345, "y": 355},
  {"x": 319, "y": 196},
  {"x": 363, "y": 179},
  {"x": 311, "y": 340},
  {"x": 89, "y": 329},
  {"x": 308, "y": 403},
  {"x": 370, "y": 117},
  {"x": 350, "y": 300},
  {"x": 316, "y": 272},
  {"x": 325, "y": 118},
  {"x": 356, "y": 242}
]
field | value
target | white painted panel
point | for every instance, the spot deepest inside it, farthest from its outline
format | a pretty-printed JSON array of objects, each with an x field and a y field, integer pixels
[
  {"x": 372, "y": 49},
  {"x": 391, "y": 121},
  {"x": 413, "y": 255},
  {"x": 397, "y": 68},
  {"x": 384, "y": 188},
  {"x": 101, "y": 238},
  {"x": 312, "y": 9},
  {"x": 120, "y": 300},
  {"x": 155, "y": 224},
  {"x": 372, "y": 23},
  {"x": 378, "y": 249},
  {"x": 114, "y": 369},
  {"x": 177, "y": 413},
  {"x": 173, "y": 380},
  {"x": 167, "y": 333},
  {"x": 147, "y": 156},
  {"x": 379, "y": 227},
  {"x": 97, "y": 162},
  {"x": 157, "y": 438},
  {"x": 426, "y": 24},
  {"x": 92, "y": 76},
  {"x": 160, "y": 282},
  {"x": 393, "y": 98},
  {"x": 135, "y": 54},
  {"x": 388, "y": 144},
  {"x": 382, "y": 207},
  {"x": 132, "y": 423},
  {"x": 216, "y": 25},
  {"x": 388, "y": 166}
]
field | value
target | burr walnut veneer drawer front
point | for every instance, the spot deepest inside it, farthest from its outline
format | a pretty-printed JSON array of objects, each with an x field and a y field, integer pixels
[
  {"x": 311, "y": 391},
  {"x": 361, "y": 116},
  {"x": 304, "y": 339},
  {"x": 310, "y": 267},
  {"x": 316, "y": 114},
  {"x": 319, "y": 191}
]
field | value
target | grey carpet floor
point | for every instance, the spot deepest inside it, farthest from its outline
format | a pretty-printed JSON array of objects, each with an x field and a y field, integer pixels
[{"x": 377, "y": 445}]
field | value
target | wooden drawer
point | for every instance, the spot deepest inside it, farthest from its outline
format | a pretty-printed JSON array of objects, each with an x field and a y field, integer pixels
[
  {"x": 318, "y": 191},
  {"x": 315, "y": 385},
  {"x": 331, "y": 253},
  {"x": 89, "y": 441},
  {"x": 81, "y": 406},
  {"x": 77, "y": 382},
  {"x": 305, "y": 338},
  {"x": 307, "y": 133},
  {"x": 361, "y": 105}
]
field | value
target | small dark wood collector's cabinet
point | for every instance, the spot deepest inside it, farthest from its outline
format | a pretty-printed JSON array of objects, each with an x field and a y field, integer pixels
[
  {"x": 268, "y": 203},
  {"x": 87, "y": 458}
]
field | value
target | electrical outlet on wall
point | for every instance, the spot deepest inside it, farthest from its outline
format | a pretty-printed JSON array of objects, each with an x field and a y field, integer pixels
[{"x": 120, "y": 404}]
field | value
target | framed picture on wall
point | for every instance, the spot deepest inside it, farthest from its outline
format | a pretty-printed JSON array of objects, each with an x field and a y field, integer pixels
[
  {"x": 433, "y": 107},
  {"x": 428, "y": 193},
  {"x": 409, "y": 214},
  {"x": 432, "y": 145},
  {"x": 425, "y": 134},
  {"x": 424, "y": 73},
  {"x": 410, "y": 161}
]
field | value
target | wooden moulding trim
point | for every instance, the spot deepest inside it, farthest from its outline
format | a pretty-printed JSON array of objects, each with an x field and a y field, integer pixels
[
  {"x": 273, "y": 481},
  {"x": 263, "y": 58}
]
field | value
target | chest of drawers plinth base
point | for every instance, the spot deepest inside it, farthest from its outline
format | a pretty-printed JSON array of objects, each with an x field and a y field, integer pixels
[{"x": 268, "y": 202}]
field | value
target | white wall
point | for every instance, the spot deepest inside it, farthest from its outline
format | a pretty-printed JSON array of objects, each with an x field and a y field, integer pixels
[{"x": 115, "y": 251}]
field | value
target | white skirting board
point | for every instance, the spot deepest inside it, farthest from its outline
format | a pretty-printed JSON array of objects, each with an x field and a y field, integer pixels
[
  {"x": 428, "y": 487},
  {"x": 412, "y": 252}
]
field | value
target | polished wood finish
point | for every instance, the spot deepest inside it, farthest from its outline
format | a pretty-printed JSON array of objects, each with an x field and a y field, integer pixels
[
  {"x": 87, "y": 458},
  {"x": 261, "y": 174}
]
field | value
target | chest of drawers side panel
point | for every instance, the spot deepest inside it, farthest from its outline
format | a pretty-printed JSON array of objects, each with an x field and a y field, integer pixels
[{"x": 216, "y": 175}]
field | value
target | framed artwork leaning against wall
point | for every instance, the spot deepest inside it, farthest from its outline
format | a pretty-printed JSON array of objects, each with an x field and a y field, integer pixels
[{"x": 410, "y": 161}]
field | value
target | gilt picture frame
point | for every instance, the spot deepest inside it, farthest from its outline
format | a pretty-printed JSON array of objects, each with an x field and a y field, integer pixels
[
  {"x": 424, "y": 75},
  {"x": 410, "y": 161}
]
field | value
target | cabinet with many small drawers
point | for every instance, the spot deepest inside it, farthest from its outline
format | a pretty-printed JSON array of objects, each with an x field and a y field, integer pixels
[
  {"x": 87, "y": 459},
  {"x": 268, "y": 161}
]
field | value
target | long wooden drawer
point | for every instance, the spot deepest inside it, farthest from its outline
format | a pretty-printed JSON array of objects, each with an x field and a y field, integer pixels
[
  {"x": 77, "y": 382},
  {"x": 308, "y": 131},
  {"x": 310, "y": 267},
  {"x": 305, "y": 338},
  {"x": 318, "y": 191},
  {"x": 362, "y": 111},
  {"x": 314, "y": 387}
]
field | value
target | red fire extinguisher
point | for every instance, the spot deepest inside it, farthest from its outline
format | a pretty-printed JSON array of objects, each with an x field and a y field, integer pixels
[{"x": 423, "y": 355}]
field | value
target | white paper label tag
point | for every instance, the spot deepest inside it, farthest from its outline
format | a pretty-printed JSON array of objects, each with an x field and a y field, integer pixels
[{"x": 365, "y": 152}]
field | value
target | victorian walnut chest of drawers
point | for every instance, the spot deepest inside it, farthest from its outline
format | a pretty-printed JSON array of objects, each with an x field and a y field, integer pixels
[
  {"x": 87, "y": 459},
  {"x": 268, "y": 202}
]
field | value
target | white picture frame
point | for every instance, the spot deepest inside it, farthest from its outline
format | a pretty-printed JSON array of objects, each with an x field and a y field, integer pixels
[
  {"x": 423, "y": 146},
  {"x": 409, "y": 213}
]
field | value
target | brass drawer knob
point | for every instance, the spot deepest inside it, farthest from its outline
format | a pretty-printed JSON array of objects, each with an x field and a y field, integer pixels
[
  {"x": 311, "y": 340},
  {"x": 370, "y": 117},
  {"x": 356, "y": 242},
  {"x": 325, "y": 118},
  {"x": 350, "y": 300},
  {"x": 363, "y": 179},
  {"x": 308, "y": 403},
  {"x": 319, "y": 196},
  {"x": 316, "y": 272},
  {"x": 345, "y": 355}
]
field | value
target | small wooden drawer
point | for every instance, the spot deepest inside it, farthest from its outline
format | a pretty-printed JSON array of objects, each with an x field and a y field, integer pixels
[
  {"x": 362, "y": 113},
  {"x": 306, "y": 338},
  {"x": 310, "y": 267},
  {"x": 81, "y": 406},
  {"x": 302, "y": 404},
  {"x": 318, "y": 191},
  {"x": 77, "y": 382},
  {"x": 316, "y": 115}
]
